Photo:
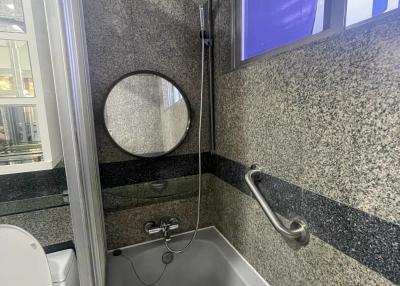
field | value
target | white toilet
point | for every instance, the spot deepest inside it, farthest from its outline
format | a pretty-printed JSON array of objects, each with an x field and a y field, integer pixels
[{"x": 23, "y": 261}]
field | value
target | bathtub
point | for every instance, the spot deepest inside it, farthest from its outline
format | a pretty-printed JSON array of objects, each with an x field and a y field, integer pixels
[{"x": 210, "y": 261}]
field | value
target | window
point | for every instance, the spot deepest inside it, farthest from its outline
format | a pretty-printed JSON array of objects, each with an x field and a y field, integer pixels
[
  {"x": 29, "y": 131},
  {"x": 361, "y": 10},
  {"x": 15, "y": 69},
  {"x": 271, "y": 24},
  {"x": 265, "y": 27},
  {"x": 171, "y": 94}
]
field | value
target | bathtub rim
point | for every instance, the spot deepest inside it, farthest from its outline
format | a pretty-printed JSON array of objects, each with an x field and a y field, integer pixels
[{"x": 228, "y": 249}]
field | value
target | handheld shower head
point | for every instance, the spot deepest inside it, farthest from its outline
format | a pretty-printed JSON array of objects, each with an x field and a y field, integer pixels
[{"x": 202, "y": 8}]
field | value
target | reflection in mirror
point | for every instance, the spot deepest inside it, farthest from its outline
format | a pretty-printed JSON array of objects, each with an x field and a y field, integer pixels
[{"x": 146, "y": 114}]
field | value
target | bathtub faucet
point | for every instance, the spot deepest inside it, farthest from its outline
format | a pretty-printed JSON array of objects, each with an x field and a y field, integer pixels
[{"x": 165, "y": 226}]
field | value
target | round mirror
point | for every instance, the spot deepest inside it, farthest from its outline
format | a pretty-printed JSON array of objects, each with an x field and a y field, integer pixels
[{"x": 146, "y": 114}]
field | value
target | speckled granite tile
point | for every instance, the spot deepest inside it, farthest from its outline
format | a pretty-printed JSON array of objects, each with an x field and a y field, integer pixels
[
  {"x": 242, "y": 221},
  {"x": 364, "y": 237},
  {"x": 230, "y": 172},
  {"x": 32, "y": 204},
  {"x": 125, "y": 227},
  {"x": 49, "y": 226},
  {"x": 152, "y": 169},
  {"x": 32, "y": 184},
  {"x": 324, "y": 117},
  {"x": 356, "y": 137},
  {"x": 252, "y": 122},
  {"x": 124, "y": 36}
]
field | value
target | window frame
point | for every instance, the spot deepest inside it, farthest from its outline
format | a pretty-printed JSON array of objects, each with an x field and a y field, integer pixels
[
  {"x": 44, "y": 100},
  {"x": 334, "y": 22}
]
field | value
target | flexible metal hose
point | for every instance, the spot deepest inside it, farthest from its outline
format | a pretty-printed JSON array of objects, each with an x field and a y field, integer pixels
[
  {"x": 200, "y": 176},
  {"x": 137, "y": 274},
  {"x": 199, "y": 142}
]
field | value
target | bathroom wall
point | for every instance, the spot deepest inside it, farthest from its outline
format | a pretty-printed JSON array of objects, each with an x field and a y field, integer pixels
[
  {"x": 51, "y": 227},
  {"x": 125, "y": 36},
  {"x": 323, "y": 122},
  {"x": 31, "y": 185},
  {"x": 280, "y": 262},
  {"x": 35, "y": 202},
  {"x": 124, "y": 226}
]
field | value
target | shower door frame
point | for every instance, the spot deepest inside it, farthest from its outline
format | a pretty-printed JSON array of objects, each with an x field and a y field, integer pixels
[{"x": 70, "y": 66}]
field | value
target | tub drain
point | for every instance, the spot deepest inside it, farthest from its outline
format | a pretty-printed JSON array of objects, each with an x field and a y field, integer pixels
[{"x": 167, "y": 257}]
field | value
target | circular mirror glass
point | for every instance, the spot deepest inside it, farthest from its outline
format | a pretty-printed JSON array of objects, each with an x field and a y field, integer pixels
[{"x": 146, "y": 114}]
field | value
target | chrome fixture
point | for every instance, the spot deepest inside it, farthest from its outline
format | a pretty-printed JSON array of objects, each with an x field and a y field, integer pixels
[
  {"x": 204, "y": 34},
  {"x": 166, "y": 225},
  {"x": 298, "y": 229},
  {"x": 203, "y": 44},
  {"x": 202, "y": 16}
]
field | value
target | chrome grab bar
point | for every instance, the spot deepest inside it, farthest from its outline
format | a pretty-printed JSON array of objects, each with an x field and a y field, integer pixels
[{"x": 298, "y": 229}]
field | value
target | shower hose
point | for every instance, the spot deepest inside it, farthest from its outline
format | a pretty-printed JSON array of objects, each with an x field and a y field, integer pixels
[
  {"x": 199, "y": 150},
  {"x": 199, "y": 186}
]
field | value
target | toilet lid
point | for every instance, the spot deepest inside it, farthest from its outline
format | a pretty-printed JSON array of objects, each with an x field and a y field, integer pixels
[{"x": 22, "y": 259}]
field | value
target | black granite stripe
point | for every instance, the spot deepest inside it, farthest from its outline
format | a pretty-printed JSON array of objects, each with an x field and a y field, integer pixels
[
  {"x": 51, "y": 182},
  {"x": 32, "y": 184},
  {"x": 364, "y": 237},
  {"x": 59, "y": 246},
  {"x": 228, "y": 170},
  {"x": 22, "y": 210},
  {"x": 144, "y": 170}
]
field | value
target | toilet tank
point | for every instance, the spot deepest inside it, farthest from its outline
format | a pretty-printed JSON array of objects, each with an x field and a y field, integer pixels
[{"x": 63, "y": 268}]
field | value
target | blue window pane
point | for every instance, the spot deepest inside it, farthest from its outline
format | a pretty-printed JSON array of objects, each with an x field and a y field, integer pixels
[
  {"x": 360, "y": 10},
  {"x": 270, "y": 24}
]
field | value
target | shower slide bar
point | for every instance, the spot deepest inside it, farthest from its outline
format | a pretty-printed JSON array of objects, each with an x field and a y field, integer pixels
[{"x": 298, "y": 229}]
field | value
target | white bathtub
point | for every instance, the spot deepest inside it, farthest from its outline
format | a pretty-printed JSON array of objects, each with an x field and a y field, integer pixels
[{"x": 210, "y": 261}]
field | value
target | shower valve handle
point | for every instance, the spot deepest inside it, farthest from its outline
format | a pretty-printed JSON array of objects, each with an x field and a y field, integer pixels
[{"x": 166, "y": 224}]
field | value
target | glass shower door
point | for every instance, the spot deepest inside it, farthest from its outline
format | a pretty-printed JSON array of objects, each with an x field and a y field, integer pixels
[{"x": 67, "y": 38}]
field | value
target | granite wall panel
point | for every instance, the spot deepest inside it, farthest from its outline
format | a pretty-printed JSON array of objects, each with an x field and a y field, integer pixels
[
  {"x": 322, "y": 121},
  {"x": 324, "y": 117},
  {"x": 49, "y": 226},
  {"x": 368, "y": 239},
  {"x": 125, "y": 227},
  {"x": 242, "y": 221},
  {"x": 163, "y": 36}
]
